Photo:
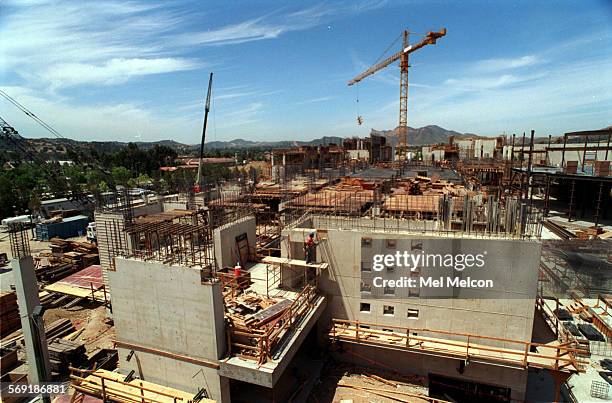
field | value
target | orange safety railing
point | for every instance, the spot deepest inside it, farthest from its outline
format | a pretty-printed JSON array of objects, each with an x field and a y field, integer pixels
[
  {"x": 560, "y": 357},
  {"x": 264, "y": 340},
  {"x": 94, "y": 383}
]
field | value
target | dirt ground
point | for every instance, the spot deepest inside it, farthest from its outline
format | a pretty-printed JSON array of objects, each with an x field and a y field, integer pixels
[
  {"x": 98, "y": 333},
  {"x": 347, "y": 383},
  {"x": 35, "y": 246}
]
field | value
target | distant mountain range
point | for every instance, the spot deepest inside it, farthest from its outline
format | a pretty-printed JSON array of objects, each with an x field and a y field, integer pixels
[
  {"x": 57, "y": 148},
  {"x": 240, "y": 143},
  {"x": 431, "y": 134},
  {"x": 423, "y": 135},
  {"x": 54, "y": 148}
]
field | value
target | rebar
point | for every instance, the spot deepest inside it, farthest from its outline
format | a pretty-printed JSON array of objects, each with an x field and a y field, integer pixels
[{"x": 19, "y": 240}]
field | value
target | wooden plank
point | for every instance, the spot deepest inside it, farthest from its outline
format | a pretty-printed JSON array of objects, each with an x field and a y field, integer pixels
[
  {"x": 271, "y": 312},
  {"x": 293, "y": 262},
  {"x": 134, "y": 391}
]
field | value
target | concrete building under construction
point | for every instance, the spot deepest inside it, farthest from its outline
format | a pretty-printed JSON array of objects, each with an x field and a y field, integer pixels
[{"x": 200, "y": 305}]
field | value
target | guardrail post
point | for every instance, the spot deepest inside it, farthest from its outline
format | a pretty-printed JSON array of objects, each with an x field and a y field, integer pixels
[{"x": 103, "y": 391}]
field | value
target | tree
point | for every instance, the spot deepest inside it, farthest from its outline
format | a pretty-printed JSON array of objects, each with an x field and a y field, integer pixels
[
  {"x": 143, "y": 180},
  {"x": 103, "y": 187},
  {"x": 120, "y": 175}
]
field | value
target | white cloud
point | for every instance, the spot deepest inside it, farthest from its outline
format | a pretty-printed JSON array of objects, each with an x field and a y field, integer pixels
[
  {"x": 317, "y": 100},
  {"x": 114, "y": 71},
  {"x": 246, "y": 31},
  {"x": 275, "y": 24},
  {"x": 494, "y": 65},
  {"x": 491, "y": 82},
  {"x": 61, "y": 41}
]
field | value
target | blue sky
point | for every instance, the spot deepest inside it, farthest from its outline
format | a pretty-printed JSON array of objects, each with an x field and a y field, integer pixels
[{"x": 138, "y": 70}]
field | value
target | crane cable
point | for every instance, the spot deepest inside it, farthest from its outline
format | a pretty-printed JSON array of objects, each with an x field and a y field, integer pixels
[
  {"x": 57, "y": 134},
  {"x": 31, "y": 115},
  {"x": 393, "y": 43}
]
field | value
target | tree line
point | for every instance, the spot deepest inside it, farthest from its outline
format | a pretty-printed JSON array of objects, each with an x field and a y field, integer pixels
[{"x": 23, "y": 183}]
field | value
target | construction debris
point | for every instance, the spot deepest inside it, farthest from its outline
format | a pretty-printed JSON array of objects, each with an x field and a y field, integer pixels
[
  {"x": 257, "y": 323},
  {"x": 9, "y": 314}
]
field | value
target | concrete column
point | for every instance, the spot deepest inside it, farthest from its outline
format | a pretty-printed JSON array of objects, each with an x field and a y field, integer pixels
[{"x": 31, "y": 324}]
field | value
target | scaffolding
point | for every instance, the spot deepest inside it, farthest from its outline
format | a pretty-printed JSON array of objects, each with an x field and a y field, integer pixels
[
  {"x": 575, "y": 267},
  {"x": 465, "y": 346},
  {"x": 443, "y": 215}
]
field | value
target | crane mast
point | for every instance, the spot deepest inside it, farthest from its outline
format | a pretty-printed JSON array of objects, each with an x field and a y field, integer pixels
[
  {"x": 402, "y": 144},
  {"x": 402, "y": 56},
  {"x": 199, "y": 178}
]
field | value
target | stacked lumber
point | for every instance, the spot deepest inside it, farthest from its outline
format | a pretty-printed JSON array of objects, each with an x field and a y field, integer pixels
[
  {"x": 49, "y": 268},
  {"x": 59, "y": 328},
  {"x": 66, "y": 353},
  {"x": 9, "y": 313},
  {"x": 74, "y": 258},
  {"x": 66, "y": 257},
  {"x": 103, "y": 384},
  {"x": 63, "y": 245},
  {"x": 90, "y": 259},
  {"x": 8, "y": 359}
]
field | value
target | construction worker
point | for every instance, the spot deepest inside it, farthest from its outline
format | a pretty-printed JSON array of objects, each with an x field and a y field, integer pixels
[{"x": 309, "y": 248}]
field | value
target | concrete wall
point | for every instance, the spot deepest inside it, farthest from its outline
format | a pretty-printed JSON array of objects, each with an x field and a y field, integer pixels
[
  {"x": 226, "y": 250},
  {"x": 475, "y": 148},
  {"x": 428, "y": 152},
  {"x": 168, "y": 308},
  {"x": 505, "y": 311}
]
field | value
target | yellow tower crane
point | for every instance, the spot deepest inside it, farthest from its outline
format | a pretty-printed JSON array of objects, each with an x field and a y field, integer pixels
[{"x": 402, "y": 56}]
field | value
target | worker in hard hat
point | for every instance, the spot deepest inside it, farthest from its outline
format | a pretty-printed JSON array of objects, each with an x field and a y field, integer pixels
[{"x": 309, "y": 248}]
